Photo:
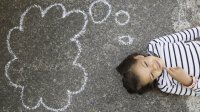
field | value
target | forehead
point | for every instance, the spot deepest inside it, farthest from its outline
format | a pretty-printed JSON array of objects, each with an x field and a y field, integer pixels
[{"x": 142, "y": 72}]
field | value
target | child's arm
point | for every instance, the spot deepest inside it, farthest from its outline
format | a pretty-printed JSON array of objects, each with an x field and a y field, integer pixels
[
  {"x": 181, "y": 76},
  {"x": 186, "y": 35}
]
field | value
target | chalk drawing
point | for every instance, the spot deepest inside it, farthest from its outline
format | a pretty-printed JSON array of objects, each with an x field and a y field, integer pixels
[
  {"x": 122, "y": 12},
  {"x": 108, "y": 14},
  {"x": 122, "y": 40},
  {"x": 180, "y": 15},
  {"x": 75, "y": 63}
]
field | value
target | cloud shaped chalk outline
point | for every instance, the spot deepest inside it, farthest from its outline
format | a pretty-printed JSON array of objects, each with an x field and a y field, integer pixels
[{"x": 74, "y": 39}]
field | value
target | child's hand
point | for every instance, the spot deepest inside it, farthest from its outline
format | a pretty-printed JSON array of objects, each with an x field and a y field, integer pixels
[{"x": 180, "y": 75}]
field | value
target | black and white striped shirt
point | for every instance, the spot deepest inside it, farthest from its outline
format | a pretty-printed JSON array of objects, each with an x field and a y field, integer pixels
[{"x": 178, "y": 49}]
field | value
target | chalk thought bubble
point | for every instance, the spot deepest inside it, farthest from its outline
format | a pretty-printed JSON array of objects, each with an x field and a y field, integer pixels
[
  {"x": 44, "y": 50},
  {"x": 97, "y": 2},
  {"x": 122, "y": 12},
  {"x": 125, "y": 40}
]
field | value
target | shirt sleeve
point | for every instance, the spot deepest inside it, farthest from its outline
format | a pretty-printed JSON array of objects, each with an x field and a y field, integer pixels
[
  {"x": 197, "y": 87},
  {"x": 186, "y": 35},
  {"x": 178, "y": 89}
]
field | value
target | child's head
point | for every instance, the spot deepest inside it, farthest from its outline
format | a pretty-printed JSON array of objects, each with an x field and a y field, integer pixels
[{"x": 140, "y": 71}]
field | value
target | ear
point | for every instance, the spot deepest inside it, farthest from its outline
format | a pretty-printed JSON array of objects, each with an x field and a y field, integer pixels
[{"x": 138, "y": 56}]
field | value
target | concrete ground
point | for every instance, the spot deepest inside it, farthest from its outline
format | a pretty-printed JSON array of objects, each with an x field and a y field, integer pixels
[{"x": 60, "y": 55}]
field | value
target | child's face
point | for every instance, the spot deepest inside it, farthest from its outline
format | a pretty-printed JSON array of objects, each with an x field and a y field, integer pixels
[{"x": 148, "y": 68}]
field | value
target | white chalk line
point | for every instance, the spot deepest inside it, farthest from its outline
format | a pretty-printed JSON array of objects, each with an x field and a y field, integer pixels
[
  {"x": 122, "y": 42},
  {"x": 122, "y": 12},
  {"x": 75, "y": 63},
  {"x": 108, "y": 14}
]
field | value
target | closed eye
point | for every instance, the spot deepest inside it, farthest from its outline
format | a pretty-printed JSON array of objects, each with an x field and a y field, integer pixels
[{"x": 146, "y": 64}]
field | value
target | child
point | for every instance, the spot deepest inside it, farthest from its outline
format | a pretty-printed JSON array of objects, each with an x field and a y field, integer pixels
[{"x": 172, "y": 64}]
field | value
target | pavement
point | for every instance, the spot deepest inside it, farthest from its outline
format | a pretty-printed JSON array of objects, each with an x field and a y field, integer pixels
[{"x": 60, "y": 55}]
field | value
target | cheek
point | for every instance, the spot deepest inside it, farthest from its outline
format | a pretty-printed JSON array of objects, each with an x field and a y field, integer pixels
[
  {"x": 145, "y": 81},
  {"x": 146, "y": 78}
]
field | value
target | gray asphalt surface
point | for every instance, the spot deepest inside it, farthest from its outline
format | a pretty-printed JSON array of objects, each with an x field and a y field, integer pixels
[{"x": 44, "y": 76}]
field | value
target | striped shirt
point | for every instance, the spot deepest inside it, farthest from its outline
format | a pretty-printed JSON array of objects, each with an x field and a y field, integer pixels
[{"x": 178, "y": 49}]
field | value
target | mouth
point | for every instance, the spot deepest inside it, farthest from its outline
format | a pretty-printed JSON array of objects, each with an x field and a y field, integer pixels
[{"x": 158, "y": 64}]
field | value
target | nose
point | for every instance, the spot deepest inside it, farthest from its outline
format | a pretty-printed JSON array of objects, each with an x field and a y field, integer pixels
[{"x": 153, "y": 66}]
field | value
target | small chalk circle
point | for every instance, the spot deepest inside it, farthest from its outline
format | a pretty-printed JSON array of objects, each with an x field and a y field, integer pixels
[
  {"x": 126, "y": 37},
  {"x": 107, "y": 15},
  {"x": 122, "y": 12}
]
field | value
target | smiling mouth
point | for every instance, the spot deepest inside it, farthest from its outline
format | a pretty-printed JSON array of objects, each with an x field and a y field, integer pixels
[{"x": 158, "y": 64}]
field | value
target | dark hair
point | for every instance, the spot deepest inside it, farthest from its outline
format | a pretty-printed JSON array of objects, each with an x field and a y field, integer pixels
[{"x": 131, "y": 81}]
